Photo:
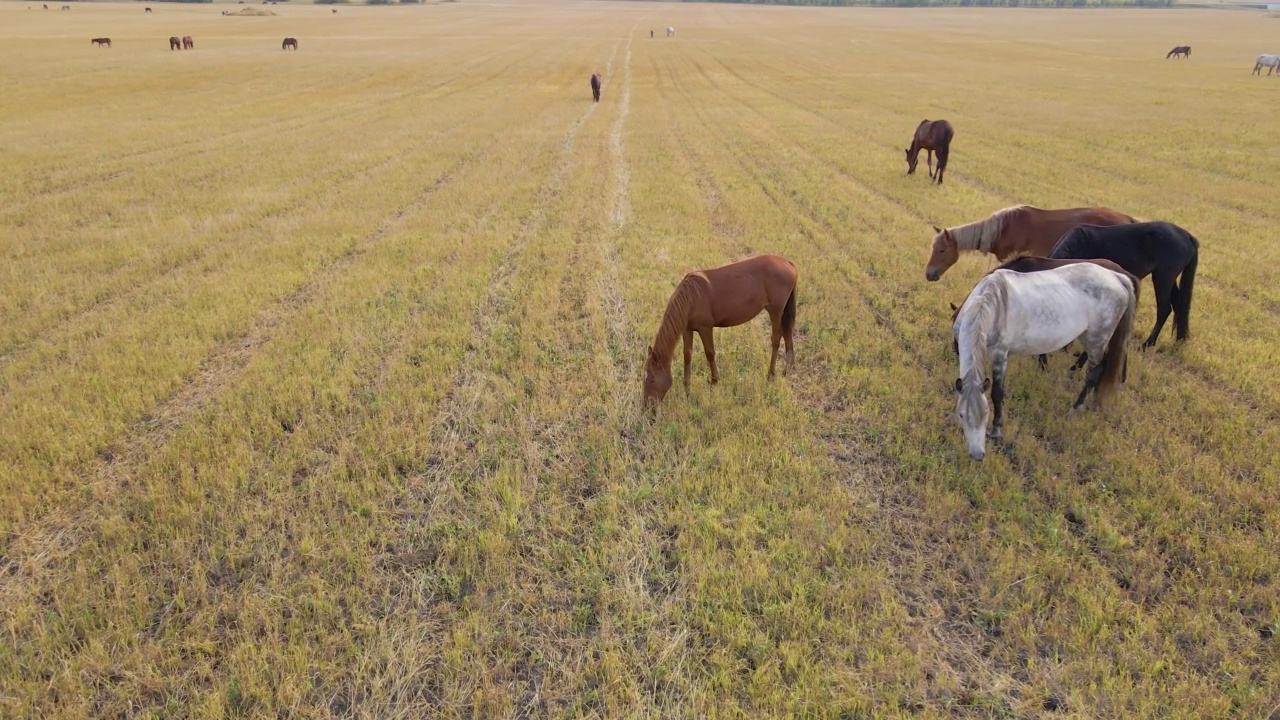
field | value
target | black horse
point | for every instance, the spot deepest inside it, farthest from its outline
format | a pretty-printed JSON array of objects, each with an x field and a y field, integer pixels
[
  {"x": 595, "y": 86},
  {"x": 1159, "y": 249},
  {"x": 1180, "y": 51}
]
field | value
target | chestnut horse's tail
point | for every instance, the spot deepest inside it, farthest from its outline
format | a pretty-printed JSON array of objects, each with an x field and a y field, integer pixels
[
  {"x": 1114, "y": 363},
  {"x": 789, "y": 314}
]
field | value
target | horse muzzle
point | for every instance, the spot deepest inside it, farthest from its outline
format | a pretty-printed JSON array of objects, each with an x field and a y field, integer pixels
[{"x": 932, "y": 274}]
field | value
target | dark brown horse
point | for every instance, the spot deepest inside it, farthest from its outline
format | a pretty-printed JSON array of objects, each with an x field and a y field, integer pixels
[
  {"x": 1180, "y": 51},
  {"x": 595, "y": 86},
  {"x": 721, "y": 297},
  {"x": 148, "y": 10},
  {"x": 101, "y": 42},
  {"x": 933, "y": 136},
  {"x": 1020, "y": 230},
  {"x": 188, "y": 43},
  {"x": 1031, "y": 263},
  {"x": 289, "y": 43},
  {"x": 175, "y": 43}
]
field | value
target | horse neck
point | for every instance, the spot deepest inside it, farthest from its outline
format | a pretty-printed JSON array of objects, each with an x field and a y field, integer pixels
[
  {"x": 980, "y": 235},
  {"x": 675, "y": 319}
]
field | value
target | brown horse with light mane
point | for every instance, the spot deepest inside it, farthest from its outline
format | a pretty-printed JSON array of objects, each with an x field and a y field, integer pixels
[
  {"x": 1020, "y": 230},
  {"x": 721, "y": 297},
  {"x": 933, "y": 136}
]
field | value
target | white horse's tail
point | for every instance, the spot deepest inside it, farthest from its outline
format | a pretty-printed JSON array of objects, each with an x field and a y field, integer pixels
[{"x": 1113, "y": 363}]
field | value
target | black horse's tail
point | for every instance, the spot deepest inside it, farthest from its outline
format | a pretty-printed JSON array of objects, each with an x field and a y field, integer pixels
[
  {"x": 1182, "y": 303},
  {"x": 789, "y": 313}
]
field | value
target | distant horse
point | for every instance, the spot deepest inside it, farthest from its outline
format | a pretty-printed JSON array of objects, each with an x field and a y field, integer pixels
[
  {"x": 595, "y": 86},
  {"x": 335, "y": 10},
  {"x": 188, "y": 43},
  {"x": 101, "y": 42},
  {"x": 147, "y": 10},
  {"x": 1018, "y": 230},
  {"x": 671, "y": 31},
  {"x": 289, "y": 43},
  {"x": 1159, "y": 249},
  {"x": 46, "y": 7},
  {"x": 721, "y": 297},
  {"x": 650, "y": 34},
  {"x": 175, "y": 43},
  {"x": 1031, "y": 314},
  {"x": 1180, "y": 51},
  {"x": 1031, "y": 263},
  {"x": 1266, "y": 61},
  {"x": 66, "y": 7},
  {"x": 933, "y": 136}
]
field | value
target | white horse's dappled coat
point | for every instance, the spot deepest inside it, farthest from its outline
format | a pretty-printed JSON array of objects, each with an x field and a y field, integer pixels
[{"x": 1032, "y": 314}]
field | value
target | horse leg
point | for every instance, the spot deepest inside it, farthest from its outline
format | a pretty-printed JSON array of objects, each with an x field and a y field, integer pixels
[
  {"x": 1044, "y": 362},
  {"x": 997, "y": 397},
  {"x": 930, "y": 161},
  {"x": 688, "y": 358},
  {"x": 709, "y": 346},
  {"x": 787, "y": 333},
  {"x": 1163, "y": 284},
  {"x": 775, "y": 321}
]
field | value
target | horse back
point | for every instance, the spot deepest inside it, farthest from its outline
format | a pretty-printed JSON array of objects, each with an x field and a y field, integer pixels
[{"x": 737, "y": 292}]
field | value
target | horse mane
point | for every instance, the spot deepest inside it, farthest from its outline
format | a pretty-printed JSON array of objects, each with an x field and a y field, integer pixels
[
  {"x": 981, "y": 235},
  {"x": 676, "y": 317},
  {"x": 987, "y": 299}
]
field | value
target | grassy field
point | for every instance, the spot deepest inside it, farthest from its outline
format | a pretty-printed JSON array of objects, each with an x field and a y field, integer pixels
[{"x": 319, "y": 371}]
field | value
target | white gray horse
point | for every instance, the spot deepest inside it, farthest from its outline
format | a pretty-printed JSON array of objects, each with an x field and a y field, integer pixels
[
  {"x": 1032, "y": 314},
  {"x": 1266, "y": 61},
  {"x": 671, "y": 31}
]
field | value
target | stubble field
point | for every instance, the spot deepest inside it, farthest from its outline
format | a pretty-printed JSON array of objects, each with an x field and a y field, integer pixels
[{"x": 320, "y": 370}]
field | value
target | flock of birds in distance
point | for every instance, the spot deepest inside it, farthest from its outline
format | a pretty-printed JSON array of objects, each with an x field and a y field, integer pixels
[{"x": 1069, "y": 275}]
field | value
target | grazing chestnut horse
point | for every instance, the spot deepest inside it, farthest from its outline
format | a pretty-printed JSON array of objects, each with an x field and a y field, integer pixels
[
  {"x": 721, "y": 297},
  {"x": 289, "y": 43},
  {"x": 1159, "y": 249},
  {"x": 933, "y": 136},
  {"x": 101, "y": 42},
  {"x": 147, "y": 9},
  {"x": 1020, "y": 230},
  {"x": 1180, "y": 51},
  {"x": 188, "y": 43},
  {"x": 595, "y": 86},
  {"x": 175, "y": 43}
]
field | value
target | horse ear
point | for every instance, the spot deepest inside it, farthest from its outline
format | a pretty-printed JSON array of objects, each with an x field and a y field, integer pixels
[
  {"x": 986, "y": 384},
  {"x": 954, "y": 309},
  {"x": 938, "y": 229},
  {"x": 959, "y": 384}
]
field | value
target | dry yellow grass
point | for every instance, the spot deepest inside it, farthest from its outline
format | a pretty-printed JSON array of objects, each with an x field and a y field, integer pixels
[{"x": 319, "y": 370}]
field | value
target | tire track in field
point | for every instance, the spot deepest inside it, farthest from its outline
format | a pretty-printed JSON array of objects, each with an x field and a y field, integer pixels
[
  {"x": 201, "y": 249},
  {"x": 608, "y": 284},
  {"x": 51, "y": 539},
  {"x": 459, "y": 402},
  {"x": 292, "y": 125}
]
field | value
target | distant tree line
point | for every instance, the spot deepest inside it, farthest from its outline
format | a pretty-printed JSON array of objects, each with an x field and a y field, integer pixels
[{"x": 959, "y": 3}]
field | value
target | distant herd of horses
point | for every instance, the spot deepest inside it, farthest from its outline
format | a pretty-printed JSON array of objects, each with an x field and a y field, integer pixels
[
  {"x": 1264, "y": 61},
  {"x": 1069, "y": 275}
]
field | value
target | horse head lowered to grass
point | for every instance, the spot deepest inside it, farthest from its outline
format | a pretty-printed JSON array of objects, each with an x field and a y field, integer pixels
[{"x": 721, "y": 297}]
